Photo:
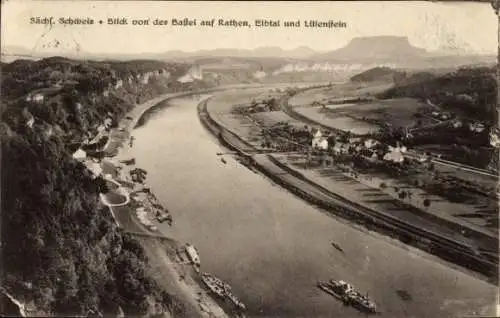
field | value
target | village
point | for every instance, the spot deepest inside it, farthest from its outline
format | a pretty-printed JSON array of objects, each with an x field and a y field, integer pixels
[{"x": 401, "y": 175}]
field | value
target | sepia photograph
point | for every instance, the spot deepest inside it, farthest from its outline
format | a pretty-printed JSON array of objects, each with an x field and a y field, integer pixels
[{"x": 184, "y": 159}]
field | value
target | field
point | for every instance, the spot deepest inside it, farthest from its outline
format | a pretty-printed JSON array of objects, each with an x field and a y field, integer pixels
[
  {"x": 399, "y": 112},
  {"x": 338, "y": 91},
  {"x": 270, "y": 118},
  {"x": 345, "y": 123},
  {"x": 242, "y": 126},
  {"x": 224, "y": 102}
]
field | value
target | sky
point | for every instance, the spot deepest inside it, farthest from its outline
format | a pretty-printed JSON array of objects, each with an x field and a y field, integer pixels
[{"x": 472, "y": 27}]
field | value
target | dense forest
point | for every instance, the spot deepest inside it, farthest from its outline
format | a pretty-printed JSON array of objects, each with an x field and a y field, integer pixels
[{"x": 60, "y": 247}]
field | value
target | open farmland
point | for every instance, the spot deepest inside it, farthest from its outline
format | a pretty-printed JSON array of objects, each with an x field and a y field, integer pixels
[
  {"x": 400, "y": 112},
  {"x": 267, "y": 119},
  {"x": 345, "y": 123},
  {"x": 338, "y": 92},
  {"x": 224, "y": 102}
]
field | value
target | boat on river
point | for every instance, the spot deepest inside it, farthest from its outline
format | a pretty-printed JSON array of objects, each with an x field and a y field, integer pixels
[
  {"x": 336, "y": 246},
  {"x": 214, "y": 284},
  {"x": 222, "y": 290},
  {"x": 193, "y": 256},
  {"x": 348, "y": 295}
]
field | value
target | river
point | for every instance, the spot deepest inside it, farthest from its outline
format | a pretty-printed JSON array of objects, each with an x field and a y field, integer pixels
[{"x": 272, "y": 247}]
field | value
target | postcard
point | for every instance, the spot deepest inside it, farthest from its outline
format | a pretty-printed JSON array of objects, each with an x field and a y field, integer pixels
[{"x": 249, "y": 159}]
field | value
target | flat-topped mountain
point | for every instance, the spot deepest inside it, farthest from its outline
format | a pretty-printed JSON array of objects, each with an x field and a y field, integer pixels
[{"x": 375, "y": 48}]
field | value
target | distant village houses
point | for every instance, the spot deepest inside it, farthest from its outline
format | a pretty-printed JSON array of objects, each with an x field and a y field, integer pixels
[
  {"x": 79, "y": 154},
  {"x": 319, "y": 141},
  {"x": 119, "y": 84},
  {"x": 36, "y": 97}
]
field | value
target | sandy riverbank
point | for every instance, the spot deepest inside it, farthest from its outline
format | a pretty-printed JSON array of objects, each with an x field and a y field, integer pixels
[{"x": 175, "y": 277}]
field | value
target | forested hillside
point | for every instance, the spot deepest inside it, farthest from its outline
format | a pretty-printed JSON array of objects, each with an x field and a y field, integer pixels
[
  {"x": 468, "y": 91},
  {"x": 61, "y": 250}
]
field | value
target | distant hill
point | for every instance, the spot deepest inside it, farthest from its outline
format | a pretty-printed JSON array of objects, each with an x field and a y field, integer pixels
[
  {"x": 379, "y": 50},
  {"x": 302, "y": 52},
  {"x": 399, "y": 51},
  {"x": 375, "y": 48}
]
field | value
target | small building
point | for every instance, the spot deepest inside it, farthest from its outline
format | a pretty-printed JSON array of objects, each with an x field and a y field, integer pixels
[
  {"x": 96, "y": 169},
  {"x": 457, "y": 124},
  {"x": 79, "y": 154},
  {"x": 394, "y": 156},
  {"x": 36, "y": 97},
  {"x": 108, "y": 122},
  {"x": 119, "y": 84},
  {"x": 476, "y": 127},
  {"x": 30, "y": 122},
  {"x": 495, "y": 139},
  {"x": 370, "y": 143},
  {"x": 319, "y": 141}
]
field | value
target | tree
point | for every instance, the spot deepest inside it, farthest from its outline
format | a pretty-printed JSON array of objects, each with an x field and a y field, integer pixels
[
  {"x": 402, "y": 195},
  {"x": 427, "y": 203},
  {"x": 431, "y": 167}
]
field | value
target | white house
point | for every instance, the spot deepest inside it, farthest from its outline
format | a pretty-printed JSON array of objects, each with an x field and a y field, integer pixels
[
  {"x": 96, "y": 169},
  {"x": 476, "y": 127},
  {"x": 36, "y": 97},
  {"x": 108, "y": 122},
  {"x": 80, "y": 154},
  {"x": 395, "y": 154},
  {"x": 145, "y": 78},
  {"x": 119, "y": 84},
  {"x": 259, "y": 74},
  {"x": 494, "y": 139},
  {"x": 30, "y": 122},
  {"x": 457, "y": 124},
  {"x": 370, "y": 143},
  {"x": 394, "y": 157},
  {"x": 319, "y": 141}
]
